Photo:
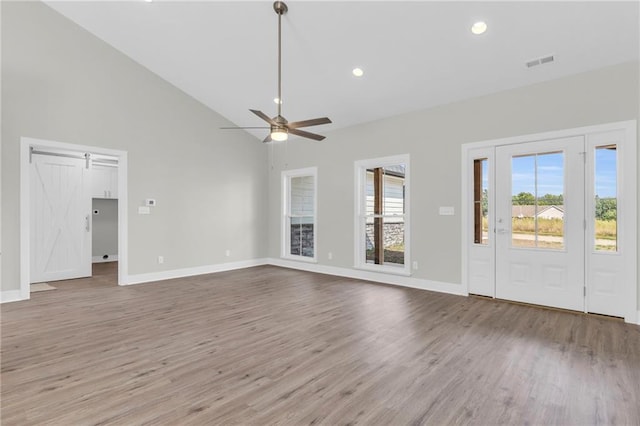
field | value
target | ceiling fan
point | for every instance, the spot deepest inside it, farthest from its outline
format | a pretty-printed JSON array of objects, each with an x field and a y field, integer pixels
[{"x": 279, "y": 127}]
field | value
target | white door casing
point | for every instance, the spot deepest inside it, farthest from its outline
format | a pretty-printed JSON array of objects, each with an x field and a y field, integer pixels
[
  {"x": 609, "y": 276},
  {"x": 60, "y": 218},
  {"x": 26, "y": 143}
]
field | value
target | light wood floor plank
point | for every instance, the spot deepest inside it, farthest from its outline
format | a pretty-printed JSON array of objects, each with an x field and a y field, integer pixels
[{"x": 268, "y": 345}]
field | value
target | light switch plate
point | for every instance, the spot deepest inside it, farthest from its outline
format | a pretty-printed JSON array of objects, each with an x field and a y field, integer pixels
[
  {"x": 447, "y": 211},
  {"x": 144, "y": 210}
]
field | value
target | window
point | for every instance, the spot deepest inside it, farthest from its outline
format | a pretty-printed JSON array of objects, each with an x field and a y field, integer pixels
[
  {"x": 480, "y": 201},
  {"x": 382, "y": 219},
  {"x": 537, "y": 202},
  {"x": 606, "y": 198},
  {"x": 299, "y": 214}
]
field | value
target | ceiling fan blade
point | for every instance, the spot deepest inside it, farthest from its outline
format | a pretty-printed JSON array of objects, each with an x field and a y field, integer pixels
[
  {"x": 306, "y": 134},
  {"x": 232, "y": 128},
  {"x": 267, "y": 139},
  {"x": 307, "y": 123},
  {"x": 262, "y": 115}
]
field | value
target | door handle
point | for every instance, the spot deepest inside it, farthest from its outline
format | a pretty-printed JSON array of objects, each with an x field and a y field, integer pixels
[
  {"x": 87, "y": 223},
  {"x": 501, "y": 230}
]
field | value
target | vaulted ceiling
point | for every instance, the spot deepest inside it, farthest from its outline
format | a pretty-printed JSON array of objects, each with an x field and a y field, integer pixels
[{"x": 414, "y": 54}]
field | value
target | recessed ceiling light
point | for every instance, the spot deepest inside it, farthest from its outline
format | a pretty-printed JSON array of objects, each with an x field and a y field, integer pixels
[
  {"x": 358, "y": 72},
  {"x": 148, "y": 1},
  {"x": 479, "y": 28},
  {"x": 277, "y": 101}
]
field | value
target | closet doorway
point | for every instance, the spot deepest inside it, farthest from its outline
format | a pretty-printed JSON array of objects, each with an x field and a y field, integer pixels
[{"x": 66, "y": 192}]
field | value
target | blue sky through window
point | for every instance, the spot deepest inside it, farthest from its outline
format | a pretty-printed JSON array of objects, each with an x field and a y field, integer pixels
[
  {"x": 551, "y": 173},
  {"x": 606, "y": 176}
]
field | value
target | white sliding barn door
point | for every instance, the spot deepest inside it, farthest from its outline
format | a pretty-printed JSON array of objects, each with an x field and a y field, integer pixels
[{"x": 60, "y": 218}]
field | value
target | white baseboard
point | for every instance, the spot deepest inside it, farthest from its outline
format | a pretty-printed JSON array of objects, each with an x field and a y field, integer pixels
[
  {"x": 99, "y": 259},
  {"x": 419, "y": 283},
  {"x": 11, "y": 296},
  {"x": 638, "y": 318},
  {"x": 399, "y": 280},
  {"x": 188, "y": 272}
]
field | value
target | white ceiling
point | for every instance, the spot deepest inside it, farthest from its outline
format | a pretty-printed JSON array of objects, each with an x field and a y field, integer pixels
[{"x": 415, "y": 54}]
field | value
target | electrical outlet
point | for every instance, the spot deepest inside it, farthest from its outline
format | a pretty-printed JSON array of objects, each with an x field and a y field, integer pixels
[
  {"x": 160, "y": 259},
  {"x": 330, "y": 256},
  {"x": 415, "y": 265},
  {"x": 227, "y": 253}
]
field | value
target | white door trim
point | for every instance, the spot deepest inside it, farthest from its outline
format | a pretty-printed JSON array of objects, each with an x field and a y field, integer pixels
[
  {"x": 25, "y": 201},
  {"x": 629, "y": 128}
]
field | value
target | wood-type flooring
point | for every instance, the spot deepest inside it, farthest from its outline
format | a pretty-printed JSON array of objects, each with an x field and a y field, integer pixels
[{"x": 268, "y": 345}]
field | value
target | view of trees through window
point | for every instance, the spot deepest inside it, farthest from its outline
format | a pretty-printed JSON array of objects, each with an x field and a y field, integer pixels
[
  {"x": 537, "y": 205},
  {"x": 538, "y": 202}
]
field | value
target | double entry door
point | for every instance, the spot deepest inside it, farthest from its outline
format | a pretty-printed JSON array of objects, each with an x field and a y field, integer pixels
[{"x": 551, "y": 224}]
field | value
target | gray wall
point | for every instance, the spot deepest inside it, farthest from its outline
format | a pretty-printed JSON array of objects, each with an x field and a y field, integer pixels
[
  {"x": 433, "y": 138},
  {"x": 104, "y": 230},
  {"x": 61, "y": 83}
]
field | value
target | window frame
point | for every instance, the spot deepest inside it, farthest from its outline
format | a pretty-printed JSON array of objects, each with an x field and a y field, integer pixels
[
  {"x": 285, "y": 235},
  {"x": 360, "y": 180}
]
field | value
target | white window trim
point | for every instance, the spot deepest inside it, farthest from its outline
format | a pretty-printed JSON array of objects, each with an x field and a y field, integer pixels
[
  {"x": 284, "y": 235},
  {"x": 360, "y": 168}
]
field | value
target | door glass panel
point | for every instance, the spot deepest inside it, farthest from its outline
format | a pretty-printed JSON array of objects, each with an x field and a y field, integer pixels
[
  {"x": 606, "y": 201},
  {"x": 537, "y": 204},
  {"x": 480, "y": 201},
  {"x": 523, "y": 187},
  {"x": 549, "y": 200}
]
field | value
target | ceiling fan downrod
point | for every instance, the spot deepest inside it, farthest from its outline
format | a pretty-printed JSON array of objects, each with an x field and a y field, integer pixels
[
  {"x": 279, "y": 127},
  {"x": 280, "y": 8}
]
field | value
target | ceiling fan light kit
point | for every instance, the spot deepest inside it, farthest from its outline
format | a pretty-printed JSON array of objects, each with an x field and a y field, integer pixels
[
  {"x": 279, "y": 134},
  {"x": 279, "y": 127}
]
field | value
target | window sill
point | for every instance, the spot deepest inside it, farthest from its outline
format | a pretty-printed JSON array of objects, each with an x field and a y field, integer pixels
[
  {"x": 391, "y": 270},
  {"x": 300, "y": 259}
]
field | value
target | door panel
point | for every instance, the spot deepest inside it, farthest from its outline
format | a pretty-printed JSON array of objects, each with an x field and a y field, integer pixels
[
  {"x": 540, "y": 242},
  {"x": 60, "y": 219},
  {"x": 481, "y": 270},
  {"x": 607, "y": 244}
]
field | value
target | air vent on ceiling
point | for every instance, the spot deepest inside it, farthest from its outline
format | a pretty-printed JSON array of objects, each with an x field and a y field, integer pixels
[{"x": 540, "y": 61}]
